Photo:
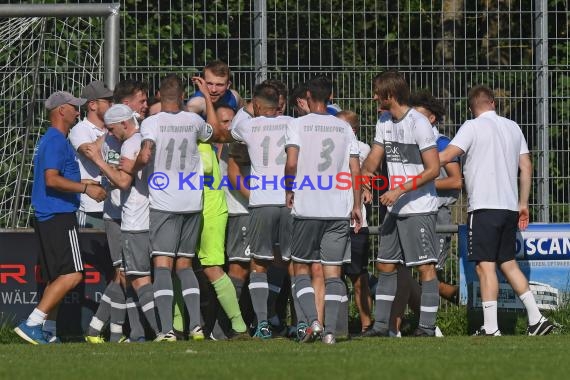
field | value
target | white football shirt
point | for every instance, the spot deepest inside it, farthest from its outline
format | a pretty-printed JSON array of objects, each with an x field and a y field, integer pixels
[
  {"x": 176, "y": 172},
  {"x": 82, "y": 133},
  {"x": 492, "y": 146},
  {"x": 325, "y": 145},
  {"x": 135, "y": 202},
  {"x": 404, "y": 141},
  {"x": 265, "y": 139},
  {"x": 240, "y": 116}
]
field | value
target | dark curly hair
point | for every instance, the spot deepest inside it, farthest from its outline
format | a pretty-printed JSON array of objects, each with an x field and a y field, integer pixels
[{"x": 425, "y": 99}]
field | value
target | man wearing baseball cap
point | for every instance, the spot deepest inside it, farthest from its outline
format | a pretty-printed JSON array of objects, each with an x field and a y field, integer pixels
[
  {"x": 98, "y": 100},
  {"x": 55, "y": 199}
]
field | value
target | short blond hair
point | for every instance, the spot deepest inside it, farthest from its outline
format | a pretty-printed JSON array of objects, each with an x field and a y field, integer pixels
[{"x": 351, "y": 117}]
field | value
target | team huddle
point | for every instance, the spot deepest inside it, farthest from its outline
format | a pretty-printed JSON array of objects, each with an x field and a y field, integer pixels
[{"x": 269, "y": 216}]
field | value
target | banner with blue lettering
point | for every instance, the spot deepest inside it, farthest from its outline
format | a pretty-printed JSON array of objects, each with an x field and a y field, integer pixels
[{"x": 543, "y": 254}]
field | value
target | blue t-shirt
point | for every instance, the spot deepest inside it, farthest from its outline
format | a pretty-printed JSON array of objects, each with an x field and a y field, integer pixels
[
  {"x": 333, "y": 109},
  {"x": 54, "y": 151},
  {"x": 442, "y": 143},
  {"x": 228, "y": 99}
]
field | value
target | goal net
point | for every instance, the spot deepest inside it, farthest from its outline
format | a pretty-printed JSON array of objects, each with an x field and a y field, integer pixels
[{"x": 38, "y": 55}]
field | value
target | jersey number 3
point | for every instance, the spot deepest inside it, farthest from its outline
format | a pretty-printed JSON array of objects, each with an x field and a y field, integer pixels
[{"x": 328, "y": 148}]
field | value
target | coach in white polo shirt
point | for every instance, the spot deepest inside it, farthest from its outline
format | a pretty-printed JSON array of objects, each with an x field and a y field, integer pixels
[
  {"x": 494, "y": 150},
  {"x": 99, "y": 99}
]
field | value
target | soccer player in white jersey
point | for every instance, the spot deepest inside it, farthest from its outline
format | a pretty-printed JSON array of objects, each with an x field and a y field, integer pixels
[
  {"x": 407, "y": 142},
  {"x": 121, "y": 123},
  {"x": 494, "y": 151},
  {"x": 133, "y": 93},
  {"x": 269, "y": 217},
  {"x": 170, "y": 148},
  {"x": 300, "y": 107},
  {"x": 319, "y": 147}
]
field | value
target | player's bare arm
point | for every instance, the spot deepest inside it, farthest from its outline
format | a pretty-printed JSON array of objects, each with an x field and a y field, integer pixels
[
  {"x": 290, "y": 173},
  {"x": 449, "y": 153},
  {"x": 197, "y": 105},
  {"x": 236, "y": 177},
  {"x": 430, "y": 160},
  {"x": 118, "y": 178},
  {"x": 56, "y": 181},
  {"x": 356, "y": 214},
  {"x": 525, "y": 178},
  {"x": 366, "y": 195},
  {"x": 143, "y": 158},
  {"x": 453, "y": 181},
  {"x": 373, "y": 160}
]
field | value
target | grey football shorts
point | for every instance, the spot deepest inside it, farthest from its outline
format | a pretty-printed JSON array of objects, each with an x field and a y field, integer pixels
[
  {"x": 320, "y": 240},
  {"x": 237, "y": 238},
  {"x": 408, "y": 239},
  {"x": 113, "y": 232},
  {"x": 174, "y": 235},
  {"x": 270, "y": 226},
  {"x": 136, "y": 253}
]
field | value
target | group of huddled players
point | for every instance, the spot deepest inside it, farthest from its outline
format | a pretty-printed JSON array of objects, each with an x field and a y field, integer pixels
[{"x": 214, "y": 191}]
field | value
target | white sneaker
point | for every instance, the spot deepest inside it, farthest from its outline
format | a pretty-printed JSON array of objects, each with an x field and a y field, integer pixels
[
  {"x": 483, "y": 332},
  {"x": 168, "y": 337},
  {"x": 329, "y": 339}
]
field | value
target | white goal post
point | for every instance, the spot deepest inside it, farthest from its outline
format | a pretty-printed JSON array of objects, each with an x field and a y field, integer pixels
[
  {"x": 112, "y": 24},
  {"x": 43, "y": 48}
]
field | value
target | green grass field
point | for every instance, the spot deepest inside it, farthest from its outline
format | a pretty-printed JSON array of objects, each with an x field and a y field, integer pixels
[{"x": 507, "y": 357}]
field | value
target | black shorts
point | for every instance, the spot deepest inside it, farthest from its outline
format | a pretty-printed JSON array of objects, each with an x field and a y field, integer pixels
[
  {"x": 59, "y": 246},
  {"x": 492, "y": 235},
  {"x": 359, "y": 251}
]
